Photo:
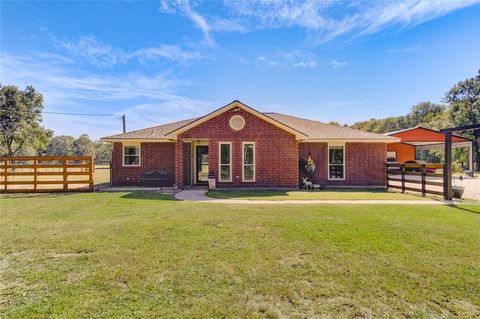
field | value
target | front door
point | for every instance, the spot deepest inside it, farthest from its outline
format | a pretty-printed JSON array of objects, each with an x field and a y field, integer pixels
[{"x": 202, "y": 164}]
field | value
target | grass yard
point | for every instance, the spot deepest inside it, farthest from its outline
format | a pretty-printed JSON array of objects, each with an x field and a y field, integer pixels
[
  {"x": 329, "y": 194},
  {"x": 143, "y": 255}
]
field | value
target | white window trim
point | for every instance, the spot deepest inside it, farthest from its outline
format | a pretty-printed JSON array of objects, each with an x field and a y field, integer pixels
[
  {"x": 254, "y": 162},
  {"x": 328, "y": 161},
  {"x": 220, "y": 161},
  {"x": 139, "y": 145},
  {"x": 392, "y": 152}
]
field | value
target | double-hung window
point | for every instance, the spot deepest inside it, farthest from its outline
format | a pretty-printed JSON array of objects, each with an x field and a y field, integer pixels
[
  {"x": 248, "y": 161},
  {"x": 225, "y": 150},
  {"x": 336, "y": 162},
  {"x": 131, "y": 155}
]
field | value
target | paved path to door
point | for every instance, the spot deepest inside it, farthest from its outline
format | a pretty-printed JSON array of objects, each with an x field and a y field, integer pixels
[{"x": 198, "y": 195}]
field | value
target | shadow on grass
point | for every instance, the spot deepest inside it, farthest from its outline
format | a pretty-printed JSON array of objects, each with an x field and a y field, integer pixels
[
  {"x": 36, "y": 195},
  {"x": 467, "y": 207},
  {"x": 330, "y": 193},
  {"x": 149, "y": 196}
]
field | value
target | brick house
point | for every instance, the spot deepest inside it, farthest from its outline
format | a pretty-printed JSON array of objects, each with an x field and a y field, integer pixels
[{"x": 245, "y": 148}]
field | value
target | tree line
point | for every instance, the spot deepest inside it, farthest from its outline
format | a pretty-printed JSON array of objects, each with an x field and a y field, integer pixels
[
  {"x": 460, "y": 106},
  {"x": 22, "y": 132}
]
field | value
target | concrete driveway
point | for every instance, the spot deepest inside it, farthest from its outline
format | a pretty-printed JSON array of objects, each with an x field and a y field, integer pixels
[{"x": 471, "y": 184}]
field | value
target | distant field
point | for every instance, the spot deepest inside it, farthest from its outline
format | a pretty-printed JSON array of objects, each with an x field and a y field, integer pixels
[{"x": 101, "y": 174}]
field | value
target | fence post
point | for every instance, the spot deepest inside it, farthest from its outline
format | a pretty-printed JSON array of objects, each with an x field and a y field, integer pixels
[
  {"x": 34, "y": 174},
  {"x": 65, "y": 185},
  {"x": 90, "y": 186},
  {"x": 423, "y": 180},
  {"x": 5, "y": 171},
  {"x": 403, "y": 178}
]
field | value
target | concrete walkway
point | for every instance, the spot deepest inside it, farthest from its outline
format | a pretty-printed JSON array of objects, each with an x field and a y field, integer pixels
[{"x": 198, "y": 195}]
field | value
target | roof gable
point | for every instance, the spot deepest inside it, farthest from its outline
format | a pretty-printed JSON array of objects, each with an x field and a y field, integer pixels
[{"x": 236, "y": 104}]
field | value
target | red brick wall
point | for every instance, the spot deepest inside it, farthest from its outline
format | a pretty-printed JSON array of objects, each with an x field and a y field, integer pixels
[
  {"x": 153, "y": 156},
  {"x": 364, "y": 163},
  {"x": 276, "y": 151}
]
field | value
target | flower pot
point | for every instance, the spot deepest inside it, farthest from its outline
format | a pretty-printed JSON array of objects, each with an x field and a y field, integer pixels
[{"x": 458, "y": 191}]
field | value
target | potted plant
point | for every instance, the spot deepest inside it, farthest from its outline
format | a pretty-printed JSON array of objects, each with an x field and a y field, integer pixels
[{"x": 458, "y": 191}]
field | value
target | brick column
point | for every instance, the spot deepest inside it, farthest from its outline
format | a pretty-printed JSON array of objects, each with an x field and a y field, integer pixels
[{"x": 179, "y": 163}]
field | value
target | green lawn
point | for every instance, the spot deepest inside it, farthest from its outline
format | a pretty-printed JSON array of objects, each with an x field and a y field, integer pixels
[
  {"x": 141, "y": 255},
  {"x": 329, "y": 194}
]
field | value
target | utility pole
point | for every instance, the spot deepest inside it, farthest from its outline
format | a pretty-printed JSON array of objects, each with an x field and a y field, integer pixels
[{"x": 123, "y": 122}]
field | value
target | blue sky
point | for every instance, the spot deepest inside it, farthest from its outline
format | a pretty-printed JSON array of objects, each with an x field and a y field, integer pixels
[{"x": 159, "y": 61}]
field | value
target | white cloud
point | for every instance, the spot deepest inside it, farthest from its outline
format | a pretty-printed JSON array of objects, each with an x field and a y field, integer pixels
[
  {"x": 324, "y": 20},
  {"x": 68, "y": 89},
  {"x": 243, "y": 60},
  {"x": 262, "y": 60},
  {"x": 206, "y": 23},
  {"x": 405, "y": 50},
  {"x": 301, "y": 59},
  {"x": 298, "y": 59},
  {"x": 103, "y": 55},
  {"x": 337, "y": 64},
  {"x": 306, "y": 65}
]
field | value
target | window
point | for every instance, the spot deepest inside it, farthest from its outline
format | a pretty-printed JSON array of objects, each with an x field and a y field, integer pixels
[
  {"x": 336, "y": 162},
  {"x": 248, "y": 162},
  {"x": 131, "y": 155},
  {"x": 237, "y": 122},
  {"x": 391, "y": 156},
  {"x": 225, "y": 161}
]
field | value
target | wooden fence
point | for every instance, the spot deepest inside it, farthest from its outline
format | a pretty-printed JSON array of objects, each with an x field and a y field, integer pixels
[
  {"x": 415, "y": 177},
  {"x": 34, "y": 174}
]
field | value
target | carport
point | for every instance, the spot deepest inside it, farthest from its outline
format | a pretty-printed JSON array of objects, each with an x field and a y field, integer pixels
[{"x": 420, "y": 138}]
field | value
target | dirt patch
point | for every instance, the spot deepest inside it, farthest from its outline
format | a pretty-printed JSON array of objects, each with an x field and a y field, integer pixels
[{"x": 295, "y": 259}]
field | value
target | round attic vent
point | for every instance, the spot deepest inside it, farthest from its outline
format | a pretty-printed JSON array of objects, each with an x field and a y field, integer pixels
[{"x": 237, "y": 122}]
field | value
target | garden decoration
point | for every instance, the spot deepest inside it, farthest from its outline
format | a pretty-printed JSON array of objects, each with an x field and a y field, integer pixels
[{"x": 310, "y": 166}]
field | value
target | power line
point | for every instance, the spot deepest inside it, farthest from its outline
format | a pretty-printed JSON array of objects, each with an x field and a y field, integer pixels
[{"x": 79, "y": 114}]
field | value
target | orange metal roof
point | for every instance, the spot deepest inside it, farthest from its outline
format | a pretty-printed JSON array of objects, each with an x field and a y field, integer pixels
[{"x": 424, "y": 135}]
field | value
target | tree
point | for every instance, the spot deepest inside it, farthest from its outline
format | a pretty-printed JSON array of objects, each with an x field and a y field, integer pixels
[
  {"x": 83, "y": 146},
  {"x": 464, "y": 99},
  {"x": 424, "y": 113},
  {"x": 61, "y": 145},
  {"x": 20, "y": 119},
  {"x": 103, "y": 151}
]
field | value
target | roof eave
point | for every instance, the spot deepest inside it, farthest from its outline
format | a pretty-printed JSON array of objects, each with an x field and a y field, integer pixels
[
  {"x": 130, "y": 139},
  {"x": 350, "y": 139}
]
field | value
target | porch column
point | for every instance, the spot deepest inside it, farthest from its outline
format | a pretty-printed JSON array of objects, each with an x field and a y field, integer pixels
[
  {"x": 447, "y": 167},
  {"x": 179, "y": 163},
  {"x": 470, "y": 158}
]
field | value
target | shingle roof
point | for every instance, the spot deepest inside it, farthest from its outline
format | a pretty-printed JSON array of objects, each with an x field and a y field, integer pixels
[
  {"x": 319, "y": 130},
  {"x": 151, "y": 132},
  {"x": 313, "y": 129}
]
